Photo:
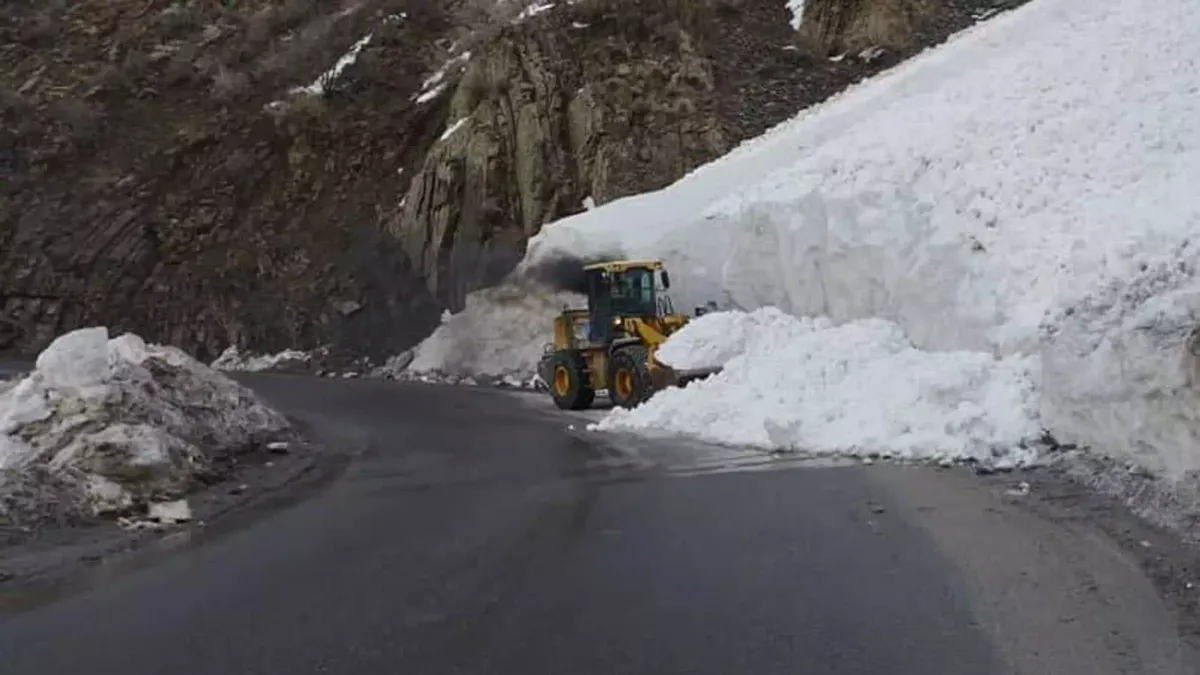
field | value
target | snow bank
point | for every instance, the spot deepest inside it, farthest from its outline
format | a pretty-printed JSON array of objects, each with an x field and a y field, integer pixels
[
  {"x": 1040, "y": 162},
  {"x": 117, "y": 422},
  {"x": 858, "y": 389},
  {"x": 1122, "y": 369}
]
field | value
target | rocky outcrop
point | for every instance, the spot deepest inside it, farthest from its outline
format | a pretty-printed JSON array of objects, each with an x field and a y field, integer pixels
[
  {"x": 582, "y": 107},
  {"x": 157, "y": 177}
]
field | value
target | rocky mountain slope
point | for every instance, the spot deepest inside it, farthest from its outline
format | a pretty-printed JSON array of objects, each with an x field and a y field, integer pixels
[{"x": 162, "y": 172}]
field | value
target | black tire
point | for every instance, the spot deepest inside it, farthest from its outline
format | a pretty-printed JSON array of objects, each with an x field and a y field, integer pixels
[
  {"x": 574, "y": 392},
  {"x": 629, "y": 376}
]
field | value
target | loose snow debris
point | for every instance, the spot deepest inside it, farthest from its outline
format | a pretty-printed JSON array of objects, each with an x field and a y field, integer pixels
[
  {"x": 233, "y": 360},
  {"x": 279, "y": 447},
  {"x": 170, "y": 513},
  {"x": 329, "y": 77},
  {"x": 1021, "y": 490},
  {"x": 870, "y": 54},
  {"x": 111, "y": 423},
  {"x": 796, "y": 7},
  {"x": 501, "y": 332},
  {"x": 856, "y": 389},
  {"x": 453, "y": 128},
  {"x": 394, "y": 366}
]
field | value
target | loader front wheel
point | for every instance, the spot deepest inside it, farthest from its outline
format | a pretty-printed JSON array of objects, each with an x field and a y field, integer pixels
[
  {"x": 569, "y": 384},
  {"x": 629, "y": 377}
]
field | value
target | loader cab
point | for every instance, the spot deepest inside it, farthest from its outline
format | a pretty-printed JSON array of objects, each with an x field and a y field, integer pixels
[{"x": 626, "y": 288}]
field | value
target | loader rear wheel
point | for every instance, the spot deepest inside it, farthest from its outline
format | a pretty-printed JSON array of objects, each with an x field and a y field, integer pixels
[
  {"x": 629, "y": 376},
  {"x": 569, "y": 384}
]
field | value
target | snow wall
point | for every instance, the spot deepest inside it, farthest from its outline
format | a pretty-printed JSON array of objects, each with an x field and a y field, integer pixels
[{"x": 1024, "y": 189}]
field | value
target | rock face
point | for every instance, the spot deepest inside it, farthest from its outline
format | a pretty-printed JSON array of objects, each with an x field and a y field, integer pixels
[
  {"x": 591, "y": 104},
  {"x": 157, "y": 176}
]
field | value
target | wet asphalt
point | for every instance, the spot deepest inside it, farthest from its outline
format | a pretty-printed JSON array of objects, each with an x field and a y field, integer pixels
[{"x": 475, "y": 533}]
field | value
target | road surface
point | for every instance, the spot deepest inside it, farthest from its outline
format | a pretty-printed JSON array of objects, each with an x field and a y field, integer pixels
[{"x": 474, "y": 532}]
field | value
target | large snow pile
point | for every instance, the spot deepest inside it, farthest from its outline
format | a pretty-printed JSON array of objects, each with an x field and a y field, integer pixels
[
  {"x": 111, "y": 423},
  {"x": 860, "y": 388},
  {"x": 1035, "y": 163}
]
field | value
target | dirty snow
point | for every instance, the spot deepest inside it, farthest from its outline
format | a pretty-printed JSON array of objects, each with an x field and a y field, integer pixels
[
  {"x": 856, "y": 389},
  {"x": 232, "y": 359},
  {"x": 117, "y": 421}
]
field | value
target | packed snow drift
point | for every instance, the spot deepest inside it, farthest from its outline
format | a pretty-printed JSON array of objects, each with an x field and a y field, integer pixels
[
  {"x": 1041, "y": 162},
  {"x": 860, "y": 388},
  {"x": 102, "y": 425}
]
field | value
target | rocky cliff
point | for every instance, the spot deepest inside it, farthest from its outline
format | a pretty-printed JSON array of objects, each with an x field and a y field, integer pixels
[{"x": 161, "y": 173}]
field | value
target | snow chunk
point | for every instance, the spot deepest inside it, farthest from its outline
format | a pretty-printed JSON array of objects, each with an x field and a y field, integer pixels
[
  {"x": 76, "y": 362},
  {"x": 21, "y": 404},
  {"x": 13, "y": 451},
  {"x": 856, "y": 389},
  {"x": 170, "y": 513}
]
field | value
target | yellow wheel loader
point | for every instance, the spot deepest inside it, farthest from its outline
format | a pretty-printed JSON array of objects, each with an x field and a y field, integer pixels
[{"x": 611, "y": 345}]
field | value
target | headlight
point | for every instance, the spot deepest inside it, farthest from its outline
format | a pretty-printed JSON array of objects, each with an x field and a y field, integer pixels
[{"x": 581, "y": 331}]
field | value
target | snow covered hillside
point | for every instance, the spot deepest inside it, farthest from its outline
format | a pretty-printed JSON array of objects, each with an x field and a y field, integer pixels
[
  {"x": 1026, "y": 189},
  {"x": 101, "y": 425}
]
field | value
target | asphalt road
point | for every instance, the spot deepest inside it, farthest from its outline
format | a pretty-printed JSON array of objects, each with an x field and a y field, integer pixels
[{"x": 475, "y": 533}]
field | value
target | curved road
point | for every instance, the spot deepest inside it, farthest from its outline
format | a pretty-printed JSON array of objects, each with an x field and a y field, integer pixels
[{"x": 475, "y": 532}]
